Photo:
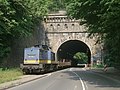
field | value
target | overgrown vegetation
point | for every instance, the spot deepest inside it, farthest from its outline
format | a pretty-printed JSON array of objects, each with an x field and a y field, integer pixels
[
  {"x": 102, "y": 17},
  {"x": 57, "y": 5},
  {"x": 9, "y": 74},
  {"x": 81, "y": 58},
  {"x": 98, "y": 66},
  {"x": 18, "y": 19}
]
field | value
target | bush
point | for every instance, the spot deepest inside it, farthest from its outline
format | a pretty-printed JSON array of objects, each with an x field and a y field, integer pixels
[{"x": 98, "y": 66}]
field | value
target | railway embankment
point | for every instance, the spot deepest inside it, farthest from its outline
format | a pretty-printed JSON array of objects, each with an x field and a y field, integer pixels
[
  {"x": 9, "y": 74},
  {"x": 20, "y": 80}
]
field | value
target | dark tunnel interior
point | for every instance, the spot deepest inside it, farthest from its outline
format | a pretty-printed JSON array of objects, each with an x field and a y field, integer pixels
[{"x": 68, "y": 49}]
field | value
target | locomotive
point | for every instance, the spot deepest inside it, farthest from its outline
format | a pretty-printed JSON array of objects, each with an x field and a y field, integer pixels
[{"x": 40, "y": 58}]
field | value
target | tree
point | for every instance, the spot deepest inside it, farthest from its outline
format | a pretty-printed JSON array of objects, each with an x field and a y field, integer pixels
[
  {"x": 17, "y": 19},
  {"x": 57, "y": 5},
  {"x": 102, "y": 17},
  {"x": 81, "y": 57}
]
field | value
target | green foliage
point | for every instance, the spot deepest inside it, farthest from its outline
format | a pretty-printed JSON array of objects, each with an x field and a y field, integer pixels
[
  {"x": 56, "y": 5},
  {"x": 9, "y": 74},
  {"x": 17, "y": 19},
  {"x": 4, "y": 51},
  {"x": 81, "y": 57},
  {"x": 38, "y": 8},
  {"x": 98, "y": 66},
  {"x": 102, "y": 17}
]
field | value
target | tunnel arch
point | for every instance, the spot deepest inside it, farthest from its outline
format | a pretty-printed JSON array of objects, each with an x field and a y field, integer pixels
[{"x": 69, "y": 48}]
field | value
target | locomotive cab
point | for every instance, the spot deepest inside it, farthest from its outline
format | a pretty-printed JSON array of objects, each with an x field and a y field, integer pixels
[
  {"x": 38, "y": 59},
  {"x": 31, "y": 55}
]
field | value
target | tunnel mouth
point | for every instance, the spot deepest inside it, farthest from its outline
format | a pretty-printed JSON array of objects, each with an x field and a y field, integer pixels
[{"x": 69, "y": 48}]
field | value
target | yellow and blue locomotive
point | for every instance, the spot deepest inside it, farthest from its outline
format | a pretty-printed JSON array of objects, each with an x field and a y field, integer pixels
[{"x": 38, "y": 58}]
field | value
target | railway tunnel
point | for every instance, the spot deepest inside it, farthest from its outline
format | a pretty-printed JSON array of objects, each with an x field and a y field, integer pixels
[{"x": 69, "y": 48}]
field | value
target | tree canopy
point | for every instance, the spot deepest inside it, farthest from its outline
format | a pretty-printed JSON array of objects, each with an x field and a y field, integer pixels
[
  {"x": 17, "y": 19},
  {"x": 81, "y": 57},
  {"x": 102, "y": 17}
]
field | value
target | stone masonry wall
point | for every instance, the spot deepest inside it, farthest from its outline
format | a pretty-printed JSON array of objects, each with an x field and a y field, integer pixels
[{"x": 60, "y": 28}]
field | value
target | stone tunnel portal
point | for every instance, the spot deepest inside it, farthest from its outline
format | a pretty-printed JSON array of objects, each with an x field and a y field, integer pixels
[{"x": 68, "y": 49}]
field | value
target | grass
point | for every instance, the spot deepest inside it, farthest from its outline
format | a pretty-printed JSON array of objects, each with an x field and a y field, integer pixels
[
  {"x": 9, "y": 74},
  {"x": 98, "y": 66}
]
